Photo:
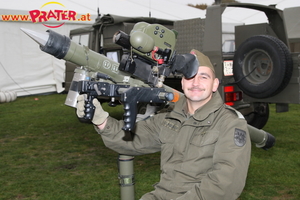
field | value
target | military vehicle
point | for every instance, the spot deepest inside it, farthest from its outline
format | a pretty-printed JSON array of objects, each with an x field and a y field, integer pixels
[{"x": 261, "y": 69}]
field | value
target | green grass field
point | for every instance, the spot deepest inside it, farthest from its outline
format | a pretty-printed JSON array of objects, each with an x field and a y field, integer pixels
[{"x": 46, "y": 153}]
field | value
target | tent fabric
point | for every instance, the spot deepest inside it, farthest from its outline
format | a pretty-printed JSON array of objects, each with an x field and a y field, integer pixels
[{"x": 24, "y": 68}]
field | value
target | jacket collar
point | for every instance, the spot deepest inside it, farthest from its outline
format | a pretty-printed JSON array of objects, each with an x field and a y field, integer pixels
[{"x": 203, "y": 113}]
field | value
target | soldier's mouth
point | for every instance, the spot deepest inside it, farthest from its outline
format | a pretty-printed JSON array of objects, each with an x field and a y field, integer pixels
[{"x": 196, "y": 89}]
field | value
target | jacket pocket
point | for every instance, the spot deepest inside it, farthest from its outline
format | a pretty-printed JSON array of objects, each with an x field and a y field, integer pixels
[
  {"x": 199, "y": 157},
  {"x": 202, "y": 146},
  {"x": 204, "y": 139}
]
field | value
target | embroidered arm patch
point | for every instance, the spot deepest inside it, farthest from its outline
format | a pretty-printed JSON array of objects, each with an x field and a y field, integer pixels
[{"x": 239, "y": 137}]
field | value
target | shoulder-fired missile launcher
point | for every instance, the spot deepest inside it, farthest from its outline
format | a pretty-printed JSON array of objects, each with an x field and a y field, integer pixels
[{"x": 102, "y": 77}]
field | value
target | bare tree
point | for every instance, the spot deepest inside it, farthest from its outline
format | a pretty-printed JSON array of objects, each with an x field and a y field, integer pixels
[
  {"x": 204, "y": 6},
  {"x": 199, "y": 6},
  {"x": 224, "y": 1}
]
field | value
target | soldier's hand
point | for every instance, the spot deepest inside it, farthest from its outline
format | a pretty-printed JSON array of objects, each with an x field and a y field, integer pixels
[
  {"x": 80, "y": 106},
  {"x": 99, "y": 115}
]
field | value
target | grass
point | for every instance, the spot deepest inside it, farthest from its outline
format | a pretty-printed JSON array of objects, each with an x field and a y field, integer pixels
[{"x": 46, "y": 153}]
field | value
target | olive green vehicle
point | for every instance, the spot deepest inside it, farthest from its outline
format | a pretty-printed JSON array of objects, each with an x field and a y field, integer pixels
[{"x": 262, "y": 69}]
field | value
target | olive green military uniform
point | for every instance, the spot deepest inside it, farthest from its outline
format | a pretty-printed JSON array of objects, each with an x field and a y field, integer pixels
[{"x": 203, "y": 156}]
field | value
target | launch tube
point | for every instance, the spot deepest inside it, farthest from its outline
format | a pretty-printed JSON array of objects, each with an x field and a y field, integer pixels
[
  {"x": 261, "y": 138},
  {"x": 63, "y": 47}
]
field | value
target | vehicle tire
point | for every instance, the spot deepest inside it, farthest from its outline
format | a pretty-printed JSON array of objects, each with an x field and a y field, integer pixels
[
  {"x": 262, "y": 66},
  {"x": 259, "y": 117}
]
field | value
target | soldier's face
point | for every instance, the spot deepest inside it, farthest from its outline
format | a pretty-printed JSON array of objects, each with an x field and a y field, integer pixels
[{"x": 200, "y": 87}]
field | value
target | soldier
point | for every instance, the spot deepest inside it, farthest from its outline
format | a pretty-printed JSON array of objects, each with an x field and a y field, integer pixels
[{"x": 205, "y": 145}]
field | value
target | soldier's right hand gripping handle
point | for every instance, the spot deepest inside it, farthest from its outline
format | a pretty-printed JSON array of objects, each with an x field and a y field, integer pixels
[
  {"x": 86, "y": 87},
  {"x": 89, "y": 108},
  {"x": 129, "y": 96},
  {"x": 93, "y": 111}
]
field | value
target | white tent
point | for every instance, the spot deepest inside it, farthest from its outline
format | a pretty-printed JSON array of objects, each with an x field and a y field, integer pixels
[{"x": 24, "y": 68}]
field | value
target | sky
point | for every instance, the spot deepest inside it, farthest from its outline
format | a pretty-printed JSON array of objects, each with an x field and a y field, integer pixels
[
  {"x": 209, "y": 2},
  {"x": 249, "y": 17},
  {"x": 281, "y": 4}
]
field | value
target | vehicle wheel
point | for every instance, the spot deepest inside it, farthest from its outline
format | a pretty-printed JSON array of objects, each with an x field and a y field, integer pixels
[
  {"x": 259, "y": 117},
  {"x": 262, "y": 66}
]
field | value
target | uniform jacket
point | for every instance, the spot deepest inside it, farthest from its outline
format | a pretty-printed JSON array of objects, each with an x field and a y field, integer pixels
[{"x": 203, "y": 156}]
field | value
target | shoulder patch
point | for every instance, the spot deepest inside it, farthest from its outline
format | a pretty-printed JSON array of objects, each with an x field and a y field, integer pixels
[{"x": 239, "y": 137}]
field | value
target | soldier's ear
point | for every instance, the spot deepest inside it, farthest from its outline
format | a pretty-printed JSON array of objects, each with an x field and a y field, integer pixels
[{"x": 216, "y": 84}]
